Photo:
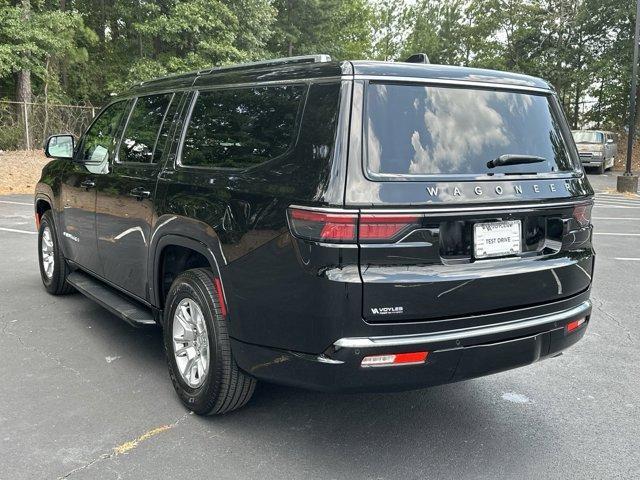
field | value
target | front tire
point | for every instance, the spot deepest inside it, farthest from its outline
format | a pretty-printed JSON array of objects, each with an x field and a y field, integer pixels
[
  {"x": 201, "y": 364},
  {"x": 53, "y": 266}
]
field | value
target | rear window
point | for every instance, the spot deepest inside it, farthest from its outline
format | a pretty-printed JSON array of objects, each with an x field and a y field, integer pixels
[
  {"x": 414, "y": 130},
  {"x": 581, "y": 136},
  {"x": 241, "y": 127}
]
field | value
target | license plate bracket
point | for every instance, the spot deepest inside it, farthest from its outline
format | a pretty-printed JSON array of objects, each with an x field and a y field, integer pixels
[{"x": 497, "y": 239}]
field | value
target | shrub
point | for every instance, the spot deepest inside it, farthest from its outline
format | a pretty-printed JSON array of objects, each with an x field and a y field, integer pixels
[{"x": 11, "y": 137}]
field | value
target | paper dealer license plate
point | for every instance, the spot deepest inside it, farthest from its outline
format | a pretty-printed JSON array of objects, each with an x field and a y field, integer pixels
[{"x": 497, "y": 239}]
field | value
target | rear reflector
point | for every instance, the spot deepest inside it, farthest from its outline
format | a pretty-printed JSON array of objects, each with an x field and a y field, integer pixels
[
  {"x": 323, "y": 226},
  {"x": 217, "y": 284},
  {"x": 574, "y": 325},
  {"x": 37, "y": 221},
  {"x": 412, "y": 358}
]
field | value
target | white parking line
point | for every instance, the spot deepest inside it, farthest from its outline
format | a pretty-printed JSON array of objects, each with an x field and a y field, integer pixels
[
  {"x": 615, "y": 218},
  {"x": 600, "y": 205},
  {"x": 617, "y": 199},
  {"x": 17, "y": 231},
  {"x": 16, "y": 203},
  {"x": 626, "y": 259},
  {"x": 618, "y": 234},
  {"x": 598, "y": 202}
]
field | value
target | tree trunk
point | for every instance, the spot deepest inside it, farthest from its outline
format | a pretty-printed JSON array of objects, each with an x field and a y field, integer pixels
[
  {"x": 46, "y": 99},
  {"x": 23, "y": 80},
  {"x": 576, "y": 106}
]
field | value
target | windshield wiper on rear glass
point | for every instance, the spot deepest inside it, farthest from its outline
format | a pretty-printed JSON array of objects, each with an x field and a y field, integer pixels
[{"x": 514, "y": 160}]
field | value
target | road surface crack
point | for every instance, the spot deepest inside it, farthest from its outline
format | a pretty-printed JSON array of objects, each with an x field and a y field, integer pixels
[
  {"x": 7, "y": 332},
  {"x": 126, "y": 447},
  {"x": 599, "y": 306}
]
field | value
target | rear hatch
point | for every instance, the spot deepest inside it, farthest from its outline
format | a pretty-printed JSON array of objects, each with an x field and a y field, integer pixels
[{"x": 471, "y": 201}]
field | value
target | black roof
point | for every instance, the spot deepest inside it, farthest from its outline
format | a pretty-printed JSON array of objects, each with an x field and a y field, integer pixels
[{"x": 281, "y": 70}]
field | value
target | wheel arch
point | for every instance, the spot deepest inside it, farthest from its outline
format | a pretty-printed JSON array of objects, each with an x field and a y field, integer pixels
[
  {"x": 202, "y": 256},
  {"x": 42, "y": 203}
]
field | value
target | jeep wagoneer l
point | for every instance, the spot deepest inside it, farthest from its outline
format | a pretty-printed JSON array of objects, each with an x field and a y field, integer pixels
[{"x": 344, "y": 226}]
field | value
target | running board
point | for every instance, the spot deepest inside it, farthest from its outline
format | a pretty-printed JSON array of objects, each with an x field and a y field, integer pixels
[{"x": 117, "y": 303}]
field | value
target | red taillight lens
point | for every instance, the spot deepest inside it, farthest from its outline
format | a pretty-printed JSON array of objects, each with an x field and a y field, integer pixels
[
  {"x": 571, "y": 326},
  {"x": 582, "y": 214},
  {"x": 323, "y": 226},
  {"x": 346, "y": 227},
  {"x": 384, "y": 227}
]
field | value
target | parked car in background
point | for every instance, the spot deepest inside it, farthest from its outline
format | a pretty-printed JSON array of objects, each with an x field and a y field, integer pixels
[
  {"x": 346, "y": 226},
  {"x": 597, "y": 148}
]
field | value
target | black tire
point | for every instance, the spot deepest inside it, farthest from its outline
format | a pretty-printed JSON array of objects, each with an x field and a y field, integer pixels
[
  {"x": 224, "y": 386},
  {"x": 56, "y": 281}
]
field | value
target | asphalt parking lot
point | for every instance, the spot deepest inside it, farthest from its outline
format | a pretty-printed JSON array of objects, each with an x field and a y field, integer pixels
[{"x": 86, "y": 396}]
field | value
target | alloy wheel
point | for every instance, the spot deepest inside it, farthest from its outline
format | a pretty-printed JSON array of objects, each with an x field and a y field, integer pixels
[
  {"x": 48, "y": 258},
  {"x": 190, "y": 342}
]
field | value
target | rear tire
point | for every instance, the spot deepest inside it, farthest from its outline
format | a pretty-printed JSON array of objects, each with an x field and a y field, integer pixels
[
  {"x": 201, "y": 364},
  {"x": 53, "y": 266}
]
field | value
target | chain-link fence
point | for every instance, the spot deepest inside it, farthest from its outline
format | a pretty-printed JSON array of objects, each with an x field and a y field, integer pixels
[{"x": 26, "y": 125}]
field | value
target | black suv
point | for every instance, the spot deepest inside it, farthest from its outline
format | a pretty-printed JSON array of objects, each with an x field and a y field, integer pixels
[{"x": 346, "y": 226}]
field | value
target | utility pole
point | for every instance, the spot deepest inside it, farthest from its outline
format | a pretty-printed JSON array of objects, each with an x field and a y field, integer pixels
[{"x": 629, "y": 182}]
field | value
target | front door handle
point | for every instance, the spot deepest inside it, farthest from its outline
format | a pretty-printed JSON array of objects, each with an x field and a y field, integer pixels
[
  {"x": 140, "y": 193},
  {"x": 88, "y": 184}
]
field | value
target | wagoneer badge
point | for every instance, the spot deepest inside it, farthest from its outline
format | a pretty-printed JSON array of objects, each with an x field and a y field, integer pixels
[{"x": 497, "y": 190}]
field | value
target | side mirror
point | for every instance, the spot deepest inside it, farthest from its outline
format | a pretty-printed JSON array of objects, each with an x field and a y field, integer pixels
[
  {"x": 59, "y": 146},
  {"x": 610, "y": 140}
]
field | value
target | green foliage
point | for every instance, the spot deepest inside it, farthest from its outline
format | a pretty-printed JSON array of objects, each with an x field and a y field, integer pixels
[
  {"x": 82, "y": 50},
  {"x": 11, "y": 137},
  {"x": 340, "y": 28},
  {"x": 31, "y": 40}
]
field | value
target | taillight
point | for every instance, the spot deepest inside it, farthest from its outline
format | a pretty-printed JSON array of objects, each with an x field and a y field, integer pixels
[
  {"x": 375, "y": 227},
  {"x": 323, "y": 226},
  {"x": 347, "y": 227},
  {"x": 582, "y": 215}
]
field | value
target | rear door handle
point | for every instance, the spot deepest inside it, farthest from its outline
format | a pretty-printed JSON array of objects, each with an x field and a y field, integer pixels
[
  {"x": 140, "y": 193},
  {"x": 88, "y": 184}
]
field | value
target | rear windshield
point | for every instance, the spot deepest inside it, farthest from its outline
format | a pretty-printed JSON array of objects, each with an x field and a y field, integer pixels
[
  {"x": 431, "y": 130},
  {"x": 588, "y": 137}
]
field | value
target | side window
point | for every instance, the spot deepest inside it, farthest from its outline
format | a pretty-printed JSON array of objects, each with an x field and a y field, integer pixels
[
  {"x": 141, "y": 133},
  {"x": 242, "y": 127},
  {"x": 163, "y": 135},
  {"x": 98, "y": 141}
]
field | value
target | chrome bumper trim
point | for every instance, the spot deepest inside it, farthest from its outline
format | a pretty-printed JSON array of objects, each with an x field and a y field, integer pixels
[{"x": 462, "y": 334}]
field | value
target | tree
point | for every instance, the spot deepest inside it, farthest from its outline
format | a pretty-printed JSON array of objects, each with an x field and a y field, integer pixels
[
  {"x": 390, "y": 18},
  {"x": 440, "y": 30},
  {"x": 340, "y": 28}
]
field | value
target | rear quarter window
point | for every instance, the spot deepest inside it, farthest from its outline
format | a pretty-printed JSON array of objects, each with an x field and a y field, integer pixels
[
  {"x": 241, "y": 127},
  {"x": 417, "y": 130}
]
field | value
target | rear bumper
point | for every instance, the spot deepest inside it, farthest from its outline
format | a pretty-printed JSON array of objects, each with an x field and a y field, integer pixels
[
  {"x": 453, "y": 355},
  {"x": 594, "y": 161}
]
